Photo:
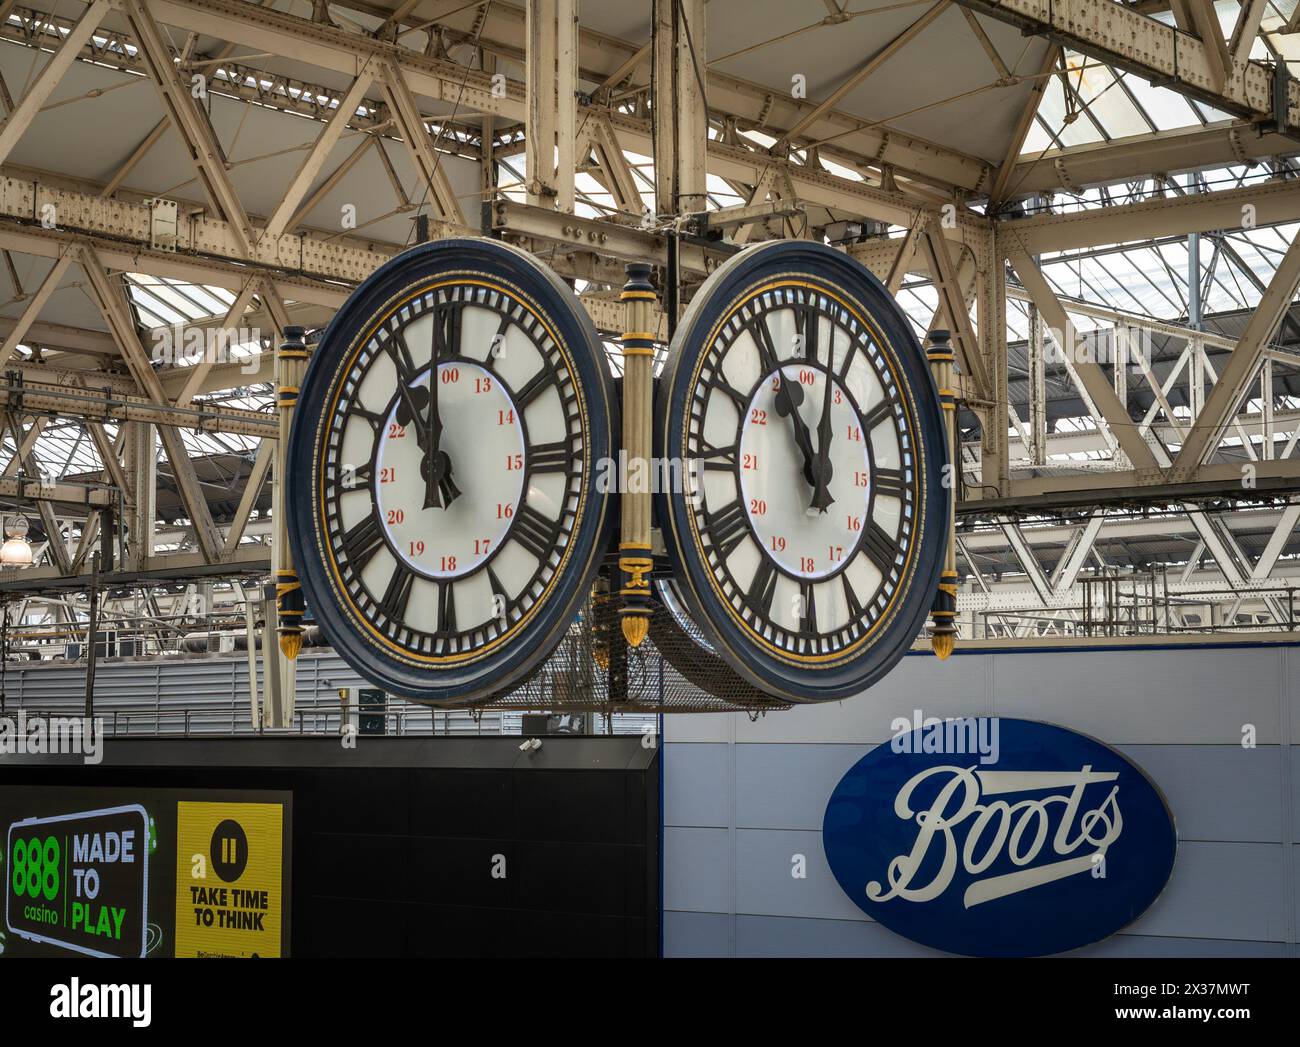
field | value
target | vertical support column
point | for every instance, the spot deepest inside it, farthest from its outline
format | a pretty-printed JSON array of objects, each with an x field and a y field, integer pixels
[
  {"x": 943, "y": 613},
  {"x": 1119, "y": 337},
  {"x": 1195, "y": 379},
  {"x": 142, "y": 470},
  {"x": 680, "y": 109},
  {"x": 663, "y": 122},
  {"x": 634, "y": 559},
  {"x": 1196, "y": 361},
  {"x": 991, "y": 302},
  {"x": 1266, "y": 429},
  {"x": 289, "y": 363},
  {"x": 487, "y": 134},
  {"x": 1037, "y": 389},
  {"x": 273, "y": 672},
  {"x": 692, "y": 106},
  {"x": 92, "y": 636},
  {"x": 566, "y": 95},
  {"x": 551, "y": 70},
  {"x": 250, "y": 635}
]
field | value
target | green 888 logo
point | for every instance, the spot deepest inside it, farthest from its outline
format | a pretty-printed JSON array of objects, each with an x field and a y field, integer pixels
[{"x": 36, "y": 868}]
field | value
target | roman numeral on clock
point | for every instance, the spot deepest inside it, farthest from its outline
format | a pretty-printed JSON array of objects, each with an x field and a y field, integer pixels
[
  {"x": 881, "y": 412},
  {"x": 767, "y": 354},
  {"x": 400, "y": 354},
  {"x": 847, "y": 362},
  {"x": 550, "y": 458},
  {"x": 498, "y": 344},
  {"x": 360, "y": 476},
  {"x": 720, "y": 457},
  {"x": 447, "y": 608},
  {"x": 889, "y": 481},
  {"x": 397, "y": 593},
  {"x": 536, "y": 533},
  {"x": 850, "y": 597},
  {"x": 362, "y": 541},
  {"x": 726, "y": 528},
  {"x": 532, "y": 389},
  {"x": 446, "y": 330},
  {"x": 762, "y": 587},
  {"x": 502, "y": 601},
  {"x": 808, "y": 609},
  {"x": 880, "y": 547},
  {"x": 723, "y": 386},
  {"x": 808, "y": 317},
  {"x": 375, "y": 419}
]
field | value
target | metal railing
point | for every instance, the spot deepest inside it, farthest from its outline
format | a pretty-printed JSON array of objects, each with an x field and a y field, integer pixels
[
  {"x": 1141, "y": 604},
  {"x": 396, "y": 719}
]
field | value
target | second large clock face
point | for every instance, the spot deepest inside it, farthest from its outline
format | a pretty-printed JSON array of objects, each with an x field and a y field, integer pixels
[
  {"x": 809, "y": 539},
  {"x": 809, "y": 483},
  {"x": 451, "y": 461}
]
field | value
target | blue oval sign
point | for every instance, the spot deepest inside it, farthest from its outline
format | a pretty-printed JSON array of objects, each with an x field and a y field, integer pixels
[{"x": 994, "y": 837}]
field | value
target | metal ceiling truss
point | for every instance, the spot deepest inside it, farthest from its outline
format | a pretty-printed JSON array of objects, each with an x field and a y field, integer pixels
[{"x": 413, "y": 85}]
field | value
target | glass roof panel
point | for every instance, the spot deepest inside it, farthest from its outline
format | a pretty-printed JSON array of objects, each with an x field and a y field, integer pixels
[
  {"x": 1099, "y": 88},
  {"x": 1037, "y": 140},
  {"x": 1119, "y": 102},
  {"x": 1071, "y": 127}
]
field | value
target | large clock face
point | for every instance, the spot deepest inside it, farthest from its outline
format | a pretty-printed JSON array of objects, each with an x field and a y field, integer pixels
[
  {"x": 810, "y": 429},
  {"x": 451, "y": 453}
]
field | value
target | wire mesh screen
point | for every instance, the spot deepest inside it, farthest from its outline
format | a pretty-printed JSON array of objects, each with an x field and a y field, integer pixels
[{"x": 593, "y": 669}]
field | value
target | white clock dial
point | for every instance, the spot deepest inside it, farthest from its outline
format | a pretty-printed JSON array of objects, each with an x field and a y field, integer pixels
[
  {"x": 802, "y": 541},
  {"x": 450, "y": 504},
  {"x": 484, "y": 436},
  {"x": 809, "y": 484}
]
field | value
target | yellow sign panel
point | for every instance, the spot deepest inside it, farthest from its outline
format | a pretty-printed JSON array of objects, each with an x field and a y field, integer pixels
[{"x": 228, "y": 879}]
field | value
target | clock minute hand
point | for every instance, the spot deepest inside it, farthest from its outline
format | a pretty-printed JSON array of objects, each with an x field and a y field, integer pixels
[
  {"x": 439, "y": 489},
  {"x": 822, "y": 500},
  {"x": 802, "y": 438}
]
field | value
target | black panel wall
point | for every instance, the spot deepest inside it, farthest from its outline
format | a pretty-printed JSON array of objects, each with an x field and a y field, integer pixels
[{"x": 435, "y": 846}]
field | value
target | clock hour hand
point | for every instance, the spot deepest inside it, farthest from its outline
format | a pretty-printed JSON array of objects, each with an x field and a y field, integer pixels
[
  {"x": 785, "y": 405},
  {"x": 440, "y": 489},
  {"x": 822, "y": 500},
  {"x": 446, "y": 484},
  {"x": 413, "y": 410}
]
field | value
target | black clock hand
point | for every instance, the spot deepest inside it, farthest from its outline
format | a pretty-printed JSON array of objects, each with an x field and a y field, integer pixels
[
  {"x": 433, "y": 467},
  {"x": 446, "y": 485},
  {"x": 802, "y": 438},
  {"x": 822, "y": 500},
  {"x": 439, "y": 488},
  {"x": 408, "y": 401}
]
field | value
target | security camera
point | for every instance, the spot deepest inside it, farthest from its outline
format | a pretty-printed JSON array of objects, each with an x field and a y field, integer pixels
[{"x": 530, "y": 745}]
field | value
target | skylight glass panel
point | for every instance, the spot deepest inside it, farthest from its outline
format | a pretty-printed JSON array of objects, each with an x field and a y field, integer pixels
[
  {"x": 1101, "y": 91},
  {"x": 1168, "y": 109},
  {"x": 1037, "y": 140},
  {"x": 1251, "y": 257},
  {"x": 1052, "y": 109},
  {"x": 1017, "y": 320}
]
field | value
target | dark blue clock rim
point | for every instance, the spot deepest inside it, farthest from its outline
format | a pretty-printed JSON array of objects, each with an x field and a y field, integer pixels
[
  {"x": 849, "y": 278},
  {"x": 515, "y": 659}
]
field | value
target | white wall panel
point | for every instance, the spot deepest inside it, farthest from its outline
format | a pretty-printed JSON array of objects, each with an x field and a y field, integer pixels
[{"x": 1177, "y": 712}]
